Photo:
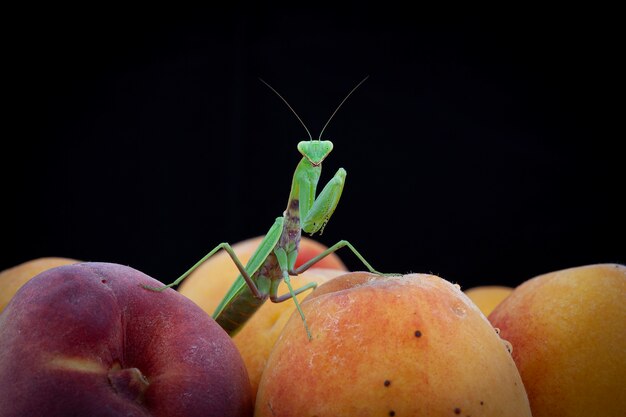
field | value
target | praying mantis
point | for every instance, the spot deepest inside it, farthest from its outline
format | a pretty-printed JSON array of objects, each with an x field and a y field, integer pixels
[{"x": 274, "y": 259}]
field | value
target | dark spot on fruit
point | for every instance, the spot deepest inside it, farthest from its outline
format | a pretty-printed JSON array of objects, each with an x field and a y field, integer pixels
[
  {"x": 418, "y": 333},
  {"x": 387, "y": 382},
  {"x": 457, "y": 410},
  {"x": 392, "y": 413}
]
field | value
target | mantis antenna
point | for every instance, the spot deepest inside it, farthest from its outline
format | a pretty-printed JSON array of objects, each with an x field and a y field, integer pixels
[
  {"x": 340, "y": 104},
  {"x": 290, "y": 108}
]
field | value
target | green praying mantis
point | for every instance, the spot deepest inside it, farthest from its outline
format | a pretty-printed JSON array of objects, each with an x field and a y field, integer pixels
[{"x": 274, "y": 259}]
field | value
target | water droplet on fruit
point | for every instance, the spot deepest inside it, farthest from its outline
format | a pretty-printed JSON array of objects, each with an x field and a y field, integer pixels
[
  {"x": 459, "y": 310},
  {"x": 508, "y": 345}
]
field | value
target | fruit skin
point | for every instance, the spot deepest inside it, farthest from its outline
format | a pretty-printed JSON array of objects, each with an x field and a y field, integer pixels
[
  {"x": 209, "y": 283},
  {"x": 88, "y": 340},
  {"x": 487, "y": 297},
  {"x": 12, "y": 279},
  {"x": 410, "y": 345},
  {"x": 257, "y": 337},
  {"x": 569, "y": 344}
]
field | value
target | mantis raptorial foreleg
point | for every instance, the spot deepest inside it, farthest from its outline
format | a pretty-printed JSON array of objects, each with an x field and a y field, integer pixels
[{"x": 316, "y": 214}]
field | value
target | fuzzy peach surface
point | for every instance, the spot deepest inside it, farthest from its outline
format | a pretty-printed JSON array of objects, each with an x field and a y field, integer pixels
[
  {"x": 568, "y": 332},
  {"x": 12, "y": 279},
  {"x": 390, "y": 346}
]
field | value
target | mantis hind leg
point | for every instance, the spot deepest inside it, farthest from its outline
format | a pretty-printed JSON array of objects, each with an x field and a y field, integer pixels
[{"x": 226, "y": 246}]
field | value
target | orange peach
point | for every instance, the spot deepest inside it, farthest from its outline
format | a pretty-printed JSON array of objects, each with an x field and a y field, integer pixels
[
  {"x": 410, "y": 345},
  {"x": 569, "y": 344},
  {"x": 487, "y": 297},
  {"x": 12, "y": 279}
]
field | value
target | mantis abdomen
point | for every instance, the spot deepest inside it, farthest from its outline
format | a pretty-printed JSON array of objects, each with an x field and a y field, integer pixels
[
  {"x": 238, "y": 311},
  {"x": 232, "y": 315}
]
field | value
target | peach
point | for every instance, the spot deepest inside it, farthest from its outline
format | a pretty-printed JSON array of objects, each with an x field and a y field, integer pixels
[
  {"x": 209, "y": 283},
  {"x": 12, "y": 279},
  {"x": 487, "y": 297},
  {"x": 88, "y": 340},
  {"x": 569, "y": 344},
  {"x": 410, "y": 345}
]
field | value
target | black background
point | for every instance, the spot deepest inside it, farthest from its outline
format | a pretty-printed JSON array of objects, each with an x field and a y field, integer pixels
[{"x": 483, "y": 148}]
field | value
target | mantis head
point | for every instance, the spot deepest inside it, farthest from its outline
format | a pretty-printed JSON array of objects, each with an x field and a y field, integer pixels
[{"x": 315, "y": 150}]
